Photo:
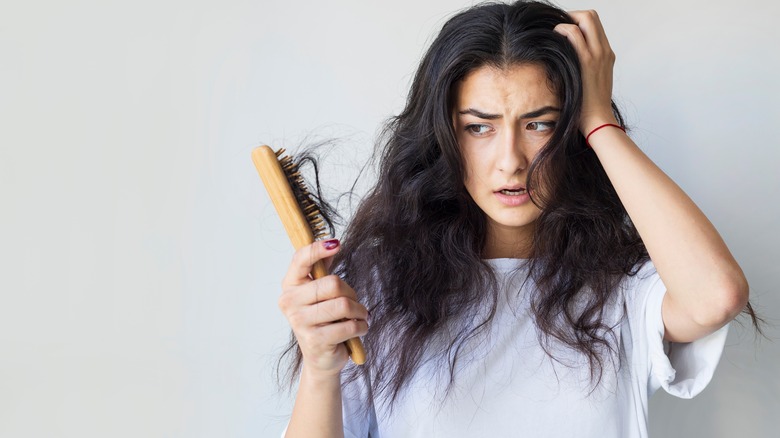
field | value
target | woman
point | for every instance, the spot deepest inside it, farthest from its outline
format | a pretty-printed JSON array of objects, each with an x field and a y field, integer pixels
[{"x": 522, "y": 260}]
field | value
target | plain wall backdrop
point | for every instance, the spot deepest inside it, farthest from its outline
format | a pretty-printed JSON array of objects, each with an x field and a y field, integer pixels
[{"x": 140, "y": 258}]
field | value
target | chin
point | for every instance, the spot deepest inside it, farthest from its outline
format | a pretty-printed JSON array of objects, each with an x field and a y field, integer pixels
[{"x": 516, "y": 224}]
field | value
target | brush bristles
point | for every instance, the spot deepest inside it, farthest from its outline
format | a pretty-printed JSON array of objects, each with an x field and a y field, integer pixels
[{"x": 310, "y": 209}]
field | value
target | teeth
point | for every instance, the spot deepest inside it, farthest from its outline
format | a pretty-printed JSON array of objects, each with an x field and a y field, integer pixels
[{"x": 513, "y": 192}]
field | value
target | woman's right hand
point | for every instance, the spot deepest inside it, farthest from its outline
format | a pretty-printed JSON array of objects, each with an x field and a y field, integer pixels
[{"x": 323, "y": 313}]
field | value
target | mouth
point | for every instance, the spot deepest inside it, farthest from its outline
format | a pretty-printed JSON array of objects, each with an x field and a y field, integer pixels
[
  {"x": 512, "y": 191},
  {"x": 512, "y": 195}
]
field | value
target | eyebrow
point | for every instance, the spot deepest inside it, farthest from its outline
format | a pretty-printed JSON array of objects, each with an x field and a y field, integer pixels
[{"x": 529, "y": 115}]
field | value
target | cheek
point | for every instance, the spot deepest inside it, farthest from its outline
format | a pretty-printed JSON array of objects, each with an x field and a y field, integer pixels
[
  {"x": 468, "y": 180},
  {"x": 470, "y": 170}
]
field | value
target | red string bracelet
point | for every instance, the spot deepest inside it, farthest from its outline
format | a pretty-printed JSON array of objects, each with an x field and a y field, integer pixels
[{"x": 602, "y": 126}]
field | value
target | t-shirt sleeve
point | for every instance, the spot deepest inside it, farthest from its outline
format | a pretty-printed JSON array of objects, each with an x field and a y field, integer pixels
[{"x": 681, "y": 369}]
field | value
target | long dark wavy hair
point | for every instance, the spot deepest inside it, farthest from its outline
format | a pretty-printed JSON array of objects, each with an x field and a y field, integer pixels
[{"x": 413, "y": 250}]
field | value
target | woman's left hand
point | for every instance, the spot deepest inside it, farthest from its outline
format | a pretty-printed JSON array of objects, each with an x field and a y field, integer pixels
[
  {"x": 597, "y": 60},
  {"x": 705, "y": 287}
]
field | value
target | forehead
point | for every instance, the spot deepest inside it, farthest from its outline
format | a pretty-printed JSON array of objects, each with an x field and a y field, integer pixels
[{"x": 519, "y": 87}]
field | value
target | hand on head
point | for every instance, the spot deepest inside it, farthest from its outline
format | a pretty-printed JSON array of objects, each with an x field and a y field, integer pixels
[{"x": 597, "y": 61}]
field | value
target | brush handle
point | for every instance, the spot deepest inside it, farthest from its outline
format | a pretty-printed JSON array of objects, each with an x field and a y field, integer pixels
[{"x": 289, "y": 211}]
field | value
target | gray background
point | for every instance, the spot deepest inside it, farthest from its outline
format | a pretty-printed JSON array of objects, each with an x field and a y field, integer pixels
[{"x": 140, "y": 258}]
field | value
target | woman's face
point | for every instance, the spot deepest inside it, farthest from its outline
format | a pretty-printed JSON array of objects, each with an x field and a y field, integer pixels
[{"x": 502, "y": 118}]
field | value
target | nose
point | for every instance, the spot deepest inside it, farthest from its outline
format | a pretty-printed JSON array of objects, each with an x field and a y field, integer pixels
[{"x": 511, "y": 158}]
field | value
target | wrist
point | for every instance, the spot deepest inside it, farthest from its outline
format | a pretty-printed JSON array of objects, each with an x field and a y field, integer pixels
[
  {"x": 319, "y": 377},
  {"x": 599, "y": 128},
  {"x": 589, "y": 125}
]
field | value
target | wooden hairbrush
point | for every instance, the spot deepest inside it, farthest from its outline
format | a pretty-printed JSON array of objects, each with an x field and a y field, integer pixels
[{"x": 299, "y": 213}]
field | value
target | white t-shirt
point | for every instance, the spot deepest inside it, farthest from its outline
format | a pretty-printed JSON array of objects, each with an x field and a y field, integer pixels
[{"x": 506, "y": 386}]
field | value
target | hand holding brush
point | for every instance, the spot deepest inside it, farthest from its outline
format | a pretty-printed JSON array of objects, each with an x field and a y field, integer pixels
[{"x": 322, "y": 309}]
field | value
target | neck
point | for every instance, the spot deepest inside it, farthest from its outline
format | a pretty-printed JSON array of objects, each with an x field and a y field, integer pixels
[{"x": 513, "y": 243}]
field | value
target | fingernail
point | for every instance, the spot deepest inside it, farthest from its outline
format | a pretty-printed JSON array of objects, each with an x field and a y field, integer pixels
[{"x": 331, "y": 244}]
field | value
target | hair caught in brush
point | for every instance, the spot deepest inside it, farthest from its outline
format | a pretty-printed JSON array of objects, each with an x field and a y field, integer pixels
[{"x": 307, "y": 188}]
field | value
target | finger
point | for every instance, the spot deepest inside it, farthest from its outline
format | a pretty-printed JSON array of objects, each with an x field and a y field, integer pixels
[
  {"x": 328, "y": 261},
  {"x": 592, "y": 30},
  {"x": 313, "y": 292},
  {"x": 334, "y": 310},
  {"x": 573, "y": 33},
  {"x": 342, "y": 331},
  {"x": 305, "y": 258}
]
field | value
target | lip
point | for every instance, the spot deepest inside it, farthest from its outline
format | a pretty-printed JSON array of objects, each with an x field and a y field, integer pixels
[
  {"x": 511, "y": 187},
  {"x": 512, "y": 201}
]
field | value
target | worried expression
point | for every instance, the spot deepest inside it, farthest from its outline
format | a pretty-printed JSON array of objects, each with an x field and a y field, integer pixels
[{"x": 502, "y": 119}]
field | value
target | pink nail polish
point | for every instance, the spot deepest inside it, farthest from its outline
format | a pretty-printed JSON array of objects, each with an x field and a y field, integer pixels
[{"x": 331, "y": 244}]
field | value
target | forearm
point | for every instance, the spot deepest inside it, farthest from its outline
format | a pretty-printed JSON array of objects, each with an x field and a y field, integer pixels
[
  {"x": 317, "y": 410},
  {"x": 692, "y": 259},
  {"x": 705, "y": 286},
  {"x": 323, "y": 313}
]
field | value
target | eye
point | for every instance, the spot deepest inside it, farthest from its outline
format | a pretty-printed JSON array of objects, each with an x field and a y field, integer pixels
[
  {"x": 540, "y": 126},
  {"x": 478, "y": 129}
]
